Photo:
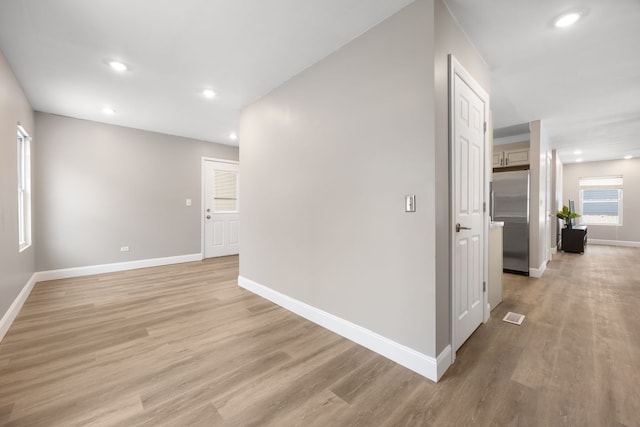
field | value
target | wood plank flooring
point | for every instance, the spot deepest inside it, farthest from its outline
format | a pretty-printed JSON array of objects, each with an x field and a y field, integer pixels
[{"x": 183, "y": 345}]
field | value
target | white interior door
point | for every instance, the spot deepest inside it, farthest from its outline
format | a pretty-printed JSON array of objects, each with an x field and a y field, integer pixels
[
  {"x": 468, "y": 162},
  {"x": 221, "y": 209}
]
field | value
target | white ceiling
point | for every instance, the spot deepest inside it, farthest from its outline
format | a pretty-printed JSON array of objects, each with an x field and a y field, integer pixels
[
  {"x": 175, "y": 49},
  {"x": 583, "y": 82}
]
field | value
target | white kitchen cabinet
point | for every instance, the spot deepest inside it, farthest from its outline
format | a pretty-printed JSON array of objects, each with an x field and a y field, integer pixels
[
  {"x": 516, "y": 157},
  {"x": 503, "y": 159},
  {"x": 498, "y": 159}
]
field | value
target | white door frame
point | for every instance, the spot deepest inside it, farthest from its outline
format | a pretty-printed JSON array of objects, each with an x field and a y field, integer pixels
[
  {"x": 455, "y": 68},
  {"x": 203, "y": 195}
]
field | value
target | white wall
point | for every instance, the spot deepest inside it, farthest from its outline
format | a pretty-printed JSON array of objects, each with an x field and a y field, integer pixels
[
  {"x": 104, "y": 186},
  {"x": 16, "y": 268},
  {"x": 629, "y": 232}
]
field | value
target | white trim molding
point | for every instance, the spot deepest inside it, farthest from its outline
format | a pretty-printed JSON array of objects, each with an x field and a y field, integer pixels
[
  {"x": 215, "y": 159},
  {"x": 614, "y": 243},
  {"x": 110, "y": 268},
  {"x": 14, "y": 308},
  {"x": 537, "y": 272},
  {"x": 427, "y": 366}
]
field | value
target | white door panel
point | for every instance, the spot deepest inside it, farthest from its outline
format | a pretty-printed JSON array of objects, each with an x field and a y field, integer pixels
[
  {"x": 234, "y": 232},
  {"x": 218, "y": 233},
  {"x": 221, "y": 209},
  {"x": 468, "y": 175}
]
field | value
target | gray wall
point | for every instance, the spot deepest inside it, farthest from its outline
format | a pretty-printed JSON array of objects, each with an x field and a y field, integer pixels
[
  {"x": 449, "y": 38},
  {"x": 556, "y": 198},
  {"x": 512, "y": 142},
  {"x": 630, "y": 171},
  {"x": 512, "y": 145},
  {"x": 103, "y": 186},
  {"x": 327, "y": 159},
  {"x": 16, "y": 268},
  {"x": 539, "y": 225}
]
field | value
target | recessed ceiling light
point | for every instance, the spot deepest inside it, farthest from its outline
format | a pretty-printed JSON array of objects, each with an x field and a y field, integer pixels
[
  {"x": 577, "y": 152},
  {"x": 578, "y": 160},
  {"x": 108, "y": 110},
  {"x": 567, "y": 20},
  {"x": 208, "y": 93},
  {"x": 118, "y": 66},
  {"x": 233, "y": 136},
  {"x": 628, "y": 157}
]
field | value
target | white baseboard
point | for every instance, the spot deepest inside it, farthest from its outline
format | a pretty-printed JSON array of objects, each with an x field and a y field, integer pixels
[
  {"x": 427, "y": 366},
  {"x": 110, "y": 268},
  {"x": 614, "y": 243},
  {"x": 554, "y": 250},
  {"x": 15, "y": 307},
  {"x": 443, "y": 361},
  {"x": 537, "y": 272}
]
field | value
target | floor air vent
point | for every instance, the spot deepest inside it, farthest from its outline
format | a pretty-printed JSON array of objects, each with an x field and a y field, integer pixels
[{"x": 514, "y": 318}]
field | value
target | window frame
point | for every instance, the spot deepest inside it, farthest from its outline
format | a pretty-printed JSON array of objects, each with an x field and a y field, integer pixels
[
  {"x": 606, "y": 183},
  {"x": 24, "y": 188}
]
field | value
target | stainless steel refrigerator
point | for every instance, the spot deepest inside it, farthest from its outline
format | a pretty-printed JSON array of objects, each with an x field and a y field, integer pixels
[{"x": 510, "y": 200}]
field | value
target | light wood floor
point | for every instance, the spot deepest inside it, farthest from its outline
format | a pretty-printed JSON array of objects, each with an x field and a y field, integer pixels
[{"x": 183, "y": 345}]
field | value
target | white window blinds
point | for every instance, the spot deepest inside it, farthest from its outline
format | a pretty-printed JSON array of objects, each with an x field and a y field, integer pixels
[
  {"x": 601, "y": 200},
  {"x": 226, "y": 191}
]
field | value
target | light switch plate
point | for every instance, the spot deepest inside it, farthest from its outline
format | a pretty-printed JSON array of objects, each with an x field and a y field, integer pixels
[
  {"x": 410, "y": 203},
  {"x": 188, "y": 202}
]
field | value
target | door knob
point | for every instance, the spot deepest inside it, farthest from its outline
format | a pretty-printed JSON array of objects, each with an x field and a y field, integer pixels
[
  {"x": 459, "y": 227},
  {"x": 208, "y": 216}
]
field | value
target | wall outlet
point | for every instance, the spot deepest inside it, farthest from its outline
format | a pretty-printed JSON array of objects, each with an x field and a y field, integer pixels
[{"x": 124, "y": 248}]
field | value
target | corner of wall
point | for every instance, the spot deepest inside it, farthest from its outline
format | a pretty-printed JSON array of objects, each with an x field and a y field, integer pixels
[
  {"x": 15, "y": 307},
  {"x": 449, "y": 38},
  {"x": 16, "y": 267}
]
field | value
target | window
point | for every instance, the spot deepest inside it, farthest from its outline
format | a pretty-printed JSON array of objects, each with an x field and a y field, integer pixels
[
  {"x": 226, "y": 191},
  {"x": 601, "y": 200},
  {"x": 24, "y": 189}
]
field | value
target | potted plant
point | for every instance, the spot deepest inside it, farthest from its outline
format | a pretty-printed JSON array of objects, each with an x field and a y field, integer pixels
[{"x": 566, "y": 215}]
